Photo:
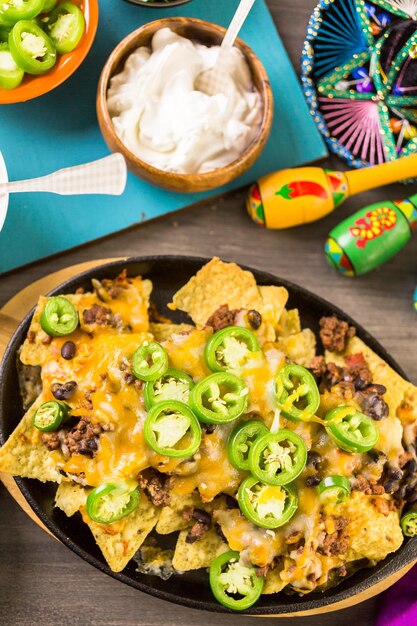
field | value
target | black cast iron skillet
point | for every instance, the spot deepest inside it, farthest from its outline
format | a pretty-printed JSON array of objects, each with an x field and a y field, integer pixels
[{"x": 168, "y": 274}]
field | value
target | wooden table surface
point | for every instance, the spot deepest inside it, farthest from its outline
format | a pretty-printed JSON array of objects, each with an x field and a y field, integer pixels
[{"x": 41, "y": 581}]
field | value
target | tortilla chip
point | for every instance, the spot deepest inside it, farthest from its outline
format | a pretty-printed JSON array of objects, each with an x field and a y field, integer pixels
[
  {"x": 300, "y": 348},
  {"x": 289, "y": 323},
  {"x": 191, "y": 556},
  {"x": 70, "y": 497},
  {"x": 25, "y": 455},
  {"x": 274, "y": 582},
  {"x": 215, "y": 284},
  {"x": 163, "y": 331},
  {"x": 36, "y": 351},
  {"x": 274, "y": 300},
  {"x": 120, "y": 541},
  {"x": 170, "y": 519},
  {"x": 372, "y": 535},
  {"x": 382, "y": 373}
]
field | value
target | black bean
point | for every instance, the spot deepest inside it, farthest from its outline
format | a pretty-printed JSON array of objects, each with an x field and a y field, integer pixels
[
  {"x": 411, "y": 466},
  {"x": 219, "y": 531},
  {"x": 313, "y": 458},
  {"x": 254, "y": 319},
  {"x": 378, "y": 389},
  {"x": 209, "y": 428},
  {"x": 68, "y": 350},
  {"x": 64, "y": 391},
  {"x": 376, "y": 455},
  {"x": 231, "y": 503},
  {"x": 394, "y": 472},
  {"x": 312, "y": 481},
  {"x": 361, "y": 383},
  {"x": 202, "y": 516},
  {"x": 391, "y": 486}
]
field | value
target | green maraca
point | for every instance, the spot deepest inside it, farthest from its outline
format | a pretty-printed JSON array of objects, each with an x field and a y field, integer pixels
[{"x": 371, "y": 236}]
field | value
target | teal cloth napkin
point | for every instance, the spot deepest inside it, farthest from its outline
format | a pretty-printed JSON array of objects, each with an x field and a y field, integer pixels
[{"x": 60, "y": 129}]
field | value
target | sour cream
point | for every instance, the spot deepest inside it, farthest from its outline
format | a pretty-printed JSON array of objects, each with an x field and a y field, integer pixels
[{"x": 162, "y": 118}]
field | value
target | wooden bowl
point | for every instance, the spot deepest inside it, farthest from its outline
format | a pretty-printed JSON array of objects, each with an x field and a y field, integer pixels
[
  {"x": 208, "y": 34},
  {"x": 34, "y": 86}
]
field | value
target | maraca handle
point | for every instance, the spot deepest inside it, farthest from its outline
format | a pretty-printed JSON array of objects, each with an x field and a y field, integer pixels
[{"x": 391, "y": 172}]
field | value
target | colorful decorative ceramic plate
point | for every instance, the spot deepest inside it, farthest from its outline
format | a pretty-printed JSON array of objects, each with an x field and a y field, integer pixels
[
  {"x": 359, "y": 72},
  {"x": 4, "y": 198}
]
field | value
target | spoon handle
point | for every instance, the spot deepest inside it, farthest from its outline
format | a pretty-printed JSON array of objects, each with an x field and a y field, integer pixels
[
  {"x": 105, "y": 176},
  {"x": 237, "y": 23}
]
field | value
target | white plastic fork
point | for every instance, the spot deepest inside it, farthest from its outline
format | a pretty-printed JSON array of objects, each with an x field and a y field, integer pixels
[
  {"x": 105, "y": 176},
  {"x": 214, "y": 80}
]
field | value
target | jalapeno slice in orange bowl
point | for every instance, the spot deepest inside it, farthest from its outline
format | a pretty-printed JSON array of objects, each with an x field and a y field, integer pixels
[
  {"x": 240, "y": 441},
  {"x": 65, "y": 25},
  {"x": 229, "y": 347},
  {"x": 171, "y": 429},
  {"x": 11, "y": 75},
  {"x": 220, "y": 398},
  {"x": 267, "y": 506},
  {"x": 297, "y": 393},
  {"x": 278, "y": 458},
  {"x": 351, "y": 430},
  {"x": 31, "y": 48},
  {"x": 235, "y": 585},
  {"x": 59, "y": 317},
  {"x": 111, "y": 502},
  {"x": 173, "y": 385},
  {"x": 11, "y": 11}
]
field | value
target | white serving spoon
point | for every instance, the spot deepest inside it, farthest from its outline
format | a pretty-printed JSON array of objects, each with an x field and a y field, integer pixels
[
  {"x": 105, "y": 176},
  {"x": 212, "y": 81}
]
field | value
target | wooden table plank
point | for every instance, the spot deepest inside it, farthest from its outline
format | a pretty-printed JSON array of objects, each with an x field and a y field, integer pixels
[{"x": 41, "y": 581}]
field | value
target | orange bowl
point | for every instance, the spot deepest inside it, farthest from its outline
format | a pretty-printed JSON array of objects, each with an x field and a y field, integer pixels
[{"x": 34, "y": 86}]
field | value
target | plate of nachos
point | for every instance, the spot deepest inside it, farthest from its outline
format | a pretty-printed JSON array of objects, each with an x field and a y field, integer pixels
[{"x": 212, "y": 435}]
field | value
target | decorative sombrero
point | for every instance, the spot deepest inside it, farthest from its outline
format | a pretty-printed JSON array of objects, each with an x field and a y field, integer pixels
[{"x": 359, "y": 73}]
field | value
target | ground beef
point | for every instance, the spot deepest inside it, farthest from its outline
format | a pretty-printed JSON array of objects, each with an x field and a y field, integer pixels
[
  {"x": 156, "y": 486},
  {"x": 383, "y": 506},
  {"x": 99, "y": 315},
  {"x": 368, "y": 487},
  {"x": 78, "y": 436},
  {"x": 222, "y": 318},
  {"x": 201, "y": 524},
  {"x": 335, "y": 542},
  {"x": 263, "y": 571},
  {"x": 335, "y": 333},
  {"x": 31, "y": 337}
]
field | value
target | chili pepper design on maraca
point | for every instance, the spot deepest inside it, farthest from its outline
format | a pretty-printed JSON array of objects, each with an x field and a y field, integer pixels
[{"x": 371, "y": 236}]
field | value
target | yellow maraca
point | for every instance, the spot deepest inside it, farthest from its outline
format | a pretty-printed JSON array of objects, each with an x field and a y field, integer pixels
[{"x": 296, "y": 196}]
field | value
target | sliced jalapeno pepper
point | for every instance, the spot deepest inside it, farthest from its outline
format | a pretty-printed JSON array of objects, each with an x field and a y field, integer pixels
[
  {"x": 219, "y": 398},
  {"x": 65, "y": 25},
  {"x": 49, "y": 5},
  {"x": 351, "y": 430},
  {"x": 50, "y": 416},
  {"x": 11, "y": 75},
  {"x": 409, "y": 523},
  {"x": 228, "y": 348},
  {"x": 110, "y": 502},
  {"x": 278, "y": 458},
  {"x": 241, "y": 440},
  {"x": 59, "y": 317},
  {"x": 31, "y": 48},
  {"x": 334, "y": 489},
  {"x": 297, "y": 393},
  {"x": 267, "y": 506},
  {"x": 4, "y": 34},
  {"x": 150, "y": 361},
  {"x": 235, "y": 586},
  {"x": 173, "y": 385},
  {"x": 12, "y": 11},
  {"x": 170, "y": 424}
]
